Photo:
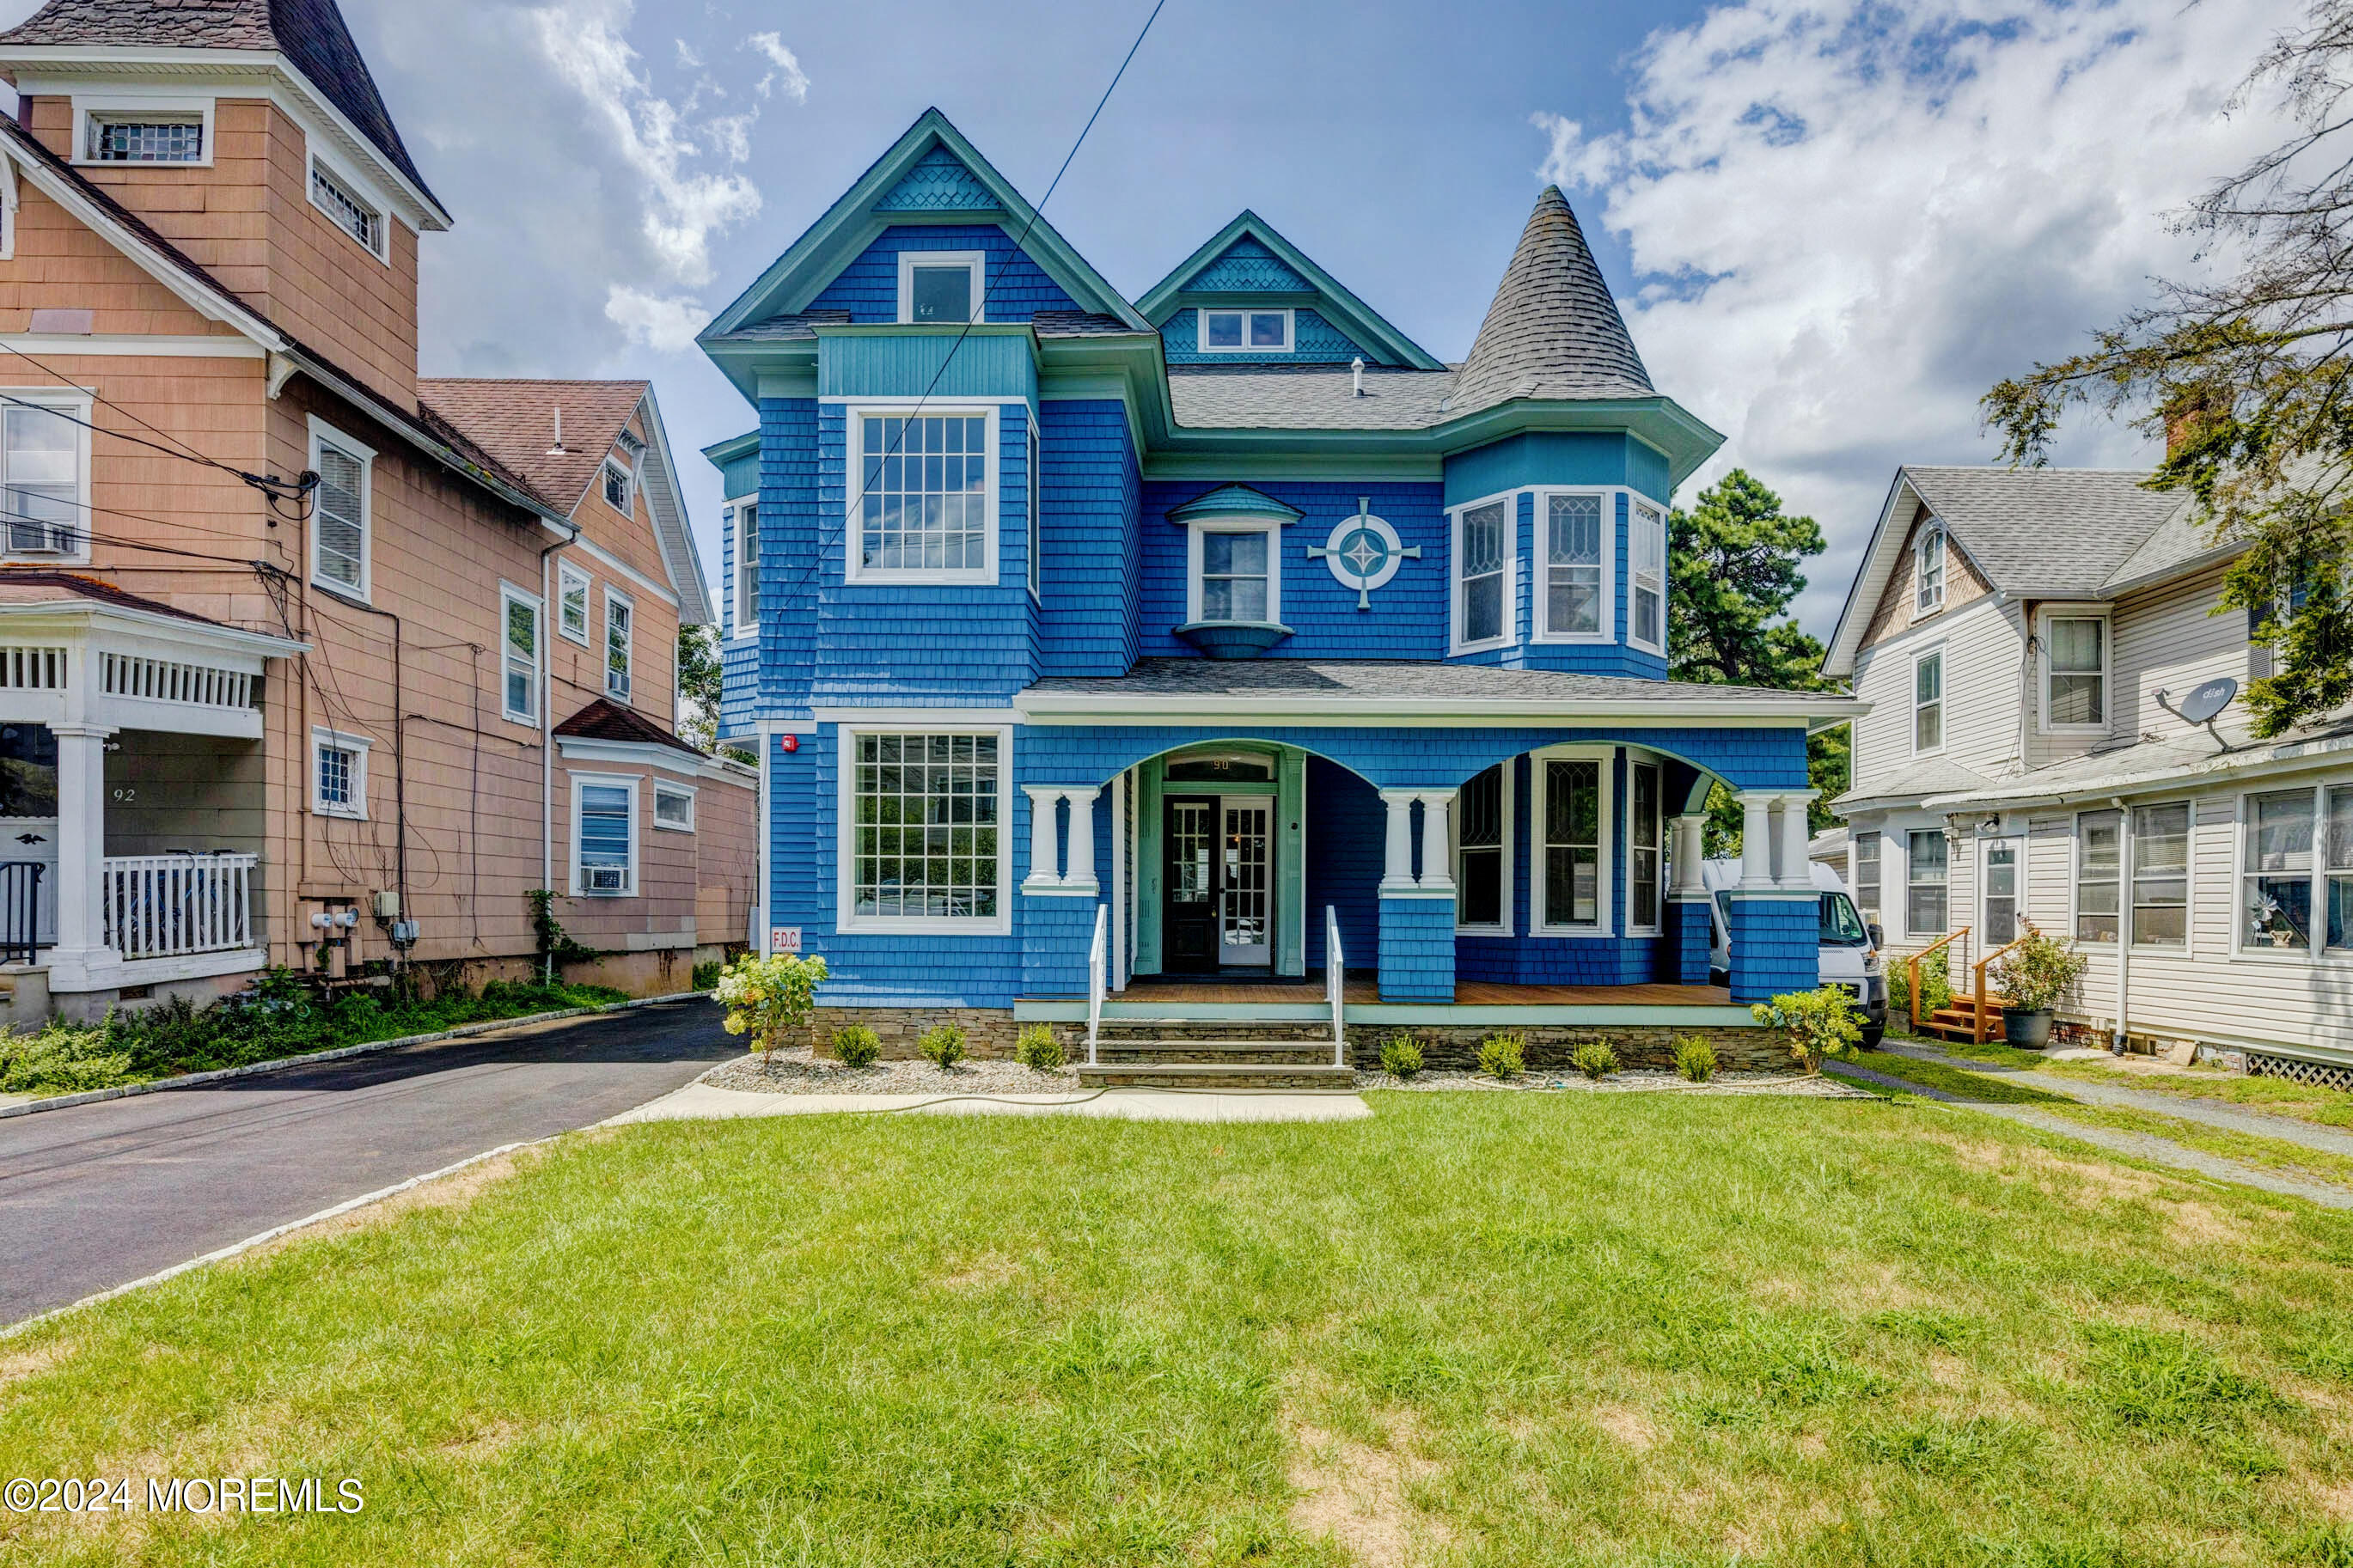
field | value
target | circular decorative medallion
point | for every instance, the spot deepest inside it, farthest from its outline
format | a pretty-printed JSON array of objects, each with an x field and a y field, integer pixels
[{"x": 1364, "y": 553}]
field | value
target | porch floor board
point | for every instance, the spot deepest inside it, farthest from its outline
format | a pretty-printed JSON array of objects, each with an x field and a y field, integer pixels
[{"x": 1366, "y": 991}]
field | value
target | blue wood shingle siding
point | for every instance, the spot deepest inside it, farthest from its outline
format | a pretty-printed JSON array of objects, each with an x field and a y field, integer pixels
[
  {"x": 938, "y": 181},
  {"x": 1313, "y": 340},
  {"x": 1093, "y": 571},
  {"x": 1776, "y": 947},
  {"x": 1016, "y": 286},
  {"x": 1245, "y": 267},
  {"x": 790, "y": 530}
]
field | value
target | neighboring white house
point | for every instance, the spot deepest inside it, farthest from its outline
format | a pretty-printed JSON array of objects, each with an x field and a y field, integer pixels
[{"x": 2019, "y": 634}]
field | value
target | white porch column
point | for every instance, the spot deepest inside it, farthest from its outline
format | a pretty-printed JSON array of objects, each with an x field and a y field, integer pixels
[
  {"x": 81, "y": 843},
  {"x": 1079, "y": 869},
  {"x": 1796, "y": 870},
  {"x": 1437, "y": 857},
  {"x": 1397, "y": 867},
  {"x": 1690, "y": 847},
  {"x": 1756, "y": 839},
  {"x": 1042, "y": 872}
]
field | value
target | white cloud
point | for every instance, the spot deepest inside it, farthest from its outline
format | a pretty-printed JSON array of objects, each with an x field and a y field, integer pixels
[
  {"x": 1849, "y": 217},
  {"x": 665, "y": 325},
  {"x": 789, "y": 76}
]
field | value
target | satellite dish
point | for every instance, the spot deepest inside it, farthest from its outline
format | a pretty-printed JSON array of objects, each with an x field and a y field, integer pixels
[{"x": 2207, "y": 700}]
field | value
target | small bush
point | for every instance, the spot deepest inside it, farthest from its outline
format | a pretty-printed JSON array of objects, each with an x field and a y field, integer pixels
[
  {"x": 1694, "y": 1058},
  {"x": 1936, "y": 988},
  {"x": 1400, "y": 1057},
  {"x": 1815, "y": 1024},
  {"x": 1596, "y": 1059},
  {"x": 62, "y": 1058},
  {"x": 1504, "y": 1056},
  {"x": 764, "y": 997},
  {"x": 856, "y": 1045},
  {"x": 942, "y": 1046},
  {"x": 1038, "y": 1048},
  {"x": 706, "y": 975}
]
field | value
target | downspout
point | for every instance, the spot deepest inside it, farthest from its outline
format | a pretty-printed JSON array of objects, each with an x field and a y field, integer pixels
[
  {"x": 2122, "y": 1032},
  {"x": 547, "y": 731}
]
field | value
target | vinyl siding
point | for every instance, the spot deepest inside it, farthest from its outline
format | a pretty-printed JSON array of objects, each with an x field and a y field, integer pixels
[
  {"x": 1983, "y": 649},
  {"x": 2168, "y": 639}
]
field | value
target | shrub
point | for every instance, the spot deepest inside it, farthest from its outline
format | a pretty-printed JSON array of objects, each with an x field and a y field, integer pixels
[
  {"x": 1400, "y": 1057},
  {"x": 1596, "y": 1059},
  {"x": 1936, "y": 988},
  {"x": 2040, "y": 971},
  {"x": 62, "y": 1058},
  {"x": 856, "y": 1045},
  {"x": 1038, "y": 1048},
  {"x": 1816, "y": 1024},
  {"x": 943, "y": 1047},
  {"x": 1694, "y": 1058},
  {"x": 1504, "y": 1056},
  {"x": 706, "y": 975},
  {"x": 766, "y": 996}
]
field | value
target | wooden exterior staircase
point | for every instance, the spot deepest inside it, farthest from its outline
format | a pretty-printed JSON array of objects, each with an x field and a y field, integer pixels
[{"x": 1974, "y": 1015}]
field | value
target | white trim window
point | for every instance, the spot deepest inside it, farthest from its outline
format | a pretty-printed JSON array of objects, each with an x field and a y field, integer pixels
[
  {"x": 1867, "y": 846},
  {"x": 1486, "y": 539},
  {"x": 2335, "y": 870},
  {"x": 925, "y": 507},
  {"x": 2074, "y": 662},
  {"x": 617, "y": 484},
  {"x": 1929, "y": 702},
  {"x": 339, "y": 774},
  {"x": 338, "y": 196},
  {"x": 620, "y": 644},
  {"x": 1481, "y": 825},
  {"x": 145, "y": 131},
  {"x": 342, "y": 527},
  {"x": 604, "y": 836},
  {"x": 1927, "y": 874},
  {"x": 2099, "y": 876},
  {"x": 1033, "y": 505},
  {"x": 1233, "y": 571},
  {"x": 1645, "y": 848},
  {"x": 2275, "y": 871},
  {"x": 571, "y": 603},
  {"x": 519, "y": 654},
  {"x": 2160, "y": 875},
  {"x": 673, "y": 807},
  {"x": 927, "y": 844},
  {"x": 942, "y": 288},
  {"x": 1573, "y": 822},
  {"x": 1646, "y": 547},
  {"x": 744, "y": 521},
  {"x": 1928, "y": 571},
  {"x": 44, "y": 474},
  {"x": 1230, "y": 331},
  {"x": 1574, "y": 603}
]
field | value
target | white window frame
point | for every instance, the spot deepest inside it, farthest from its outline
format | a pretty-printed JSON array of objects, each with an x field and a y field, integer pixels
[
  {"x": 1929, "y": 597},
  {"x": 614, "y": 467},
  {"x": 1509, "y": 634},
  {"x": 1540, "y": 565},
  {"x": 2132, "y": 838},
  {"x": 2123, "y": 879},
  {"x": 664, "y": 789},
  {"x": 1635, "y": 506},
  {"x": 628, "y": 782},
  {"x": 326, "y": 435},
  {"x": 1605, "y": 885},
  {"x": 746, "y": 605},
  {"x": 2044, "y": 617},
  {"x": 360, "y": 192},
  {"x": 106, "y": 107},
  {"x": 1454, "y": 855},
  {"x": 1195, "y": 528},
  {"x": 844, "y": 881},
  {"x": 604, "y": 648},
  {"x": 855, "y": 415},
  {"x": 1659, "y": 796},
  {"x": 1201, "y": 329},
  {"x": 1876, "y": 913},
  {"x": 567, "y": 578},
  {"x": 510, "y": 595},
  {"x": 1034, "y": 508},
  {"x": 78, "y": 407},
  {"x": 909, "y": 261},
  {"x": 1911, "y": 704},
  {"x": 1911, "y": 881},
  {"x": 324, "y": 738},
  {"x": 2318, "y": 876}
]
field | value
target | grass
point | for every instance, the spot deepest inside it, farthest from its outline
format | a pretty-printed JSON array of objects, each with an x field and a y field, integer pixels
[
  {"x": 2265, "y": 1153},
  {"x": 2307, "y": 1102},
  {"x": 1481, "y": 1330},
  {"x": 1960, "y": 1083}
]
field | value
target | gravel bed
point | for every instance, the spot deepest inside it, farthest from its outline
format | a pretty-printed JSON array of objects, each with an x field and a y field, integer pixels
[
  {"x": 800, "y": 1072},
  {"x": 1638, "y": 1080}
]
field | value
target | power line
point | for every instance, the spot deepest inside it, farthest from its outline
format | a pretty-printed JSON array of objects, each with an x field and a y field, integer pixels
[{"x": 267, "y": 483}]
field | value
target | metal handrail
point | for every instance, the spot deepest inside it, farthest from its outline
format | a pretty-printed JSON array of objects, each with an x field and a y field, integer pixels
[
  {"x": 1988, "y": 958},
  {"x": 1912, "y": 969},
  {"x": 1098, "y": 967},
  {"x": 1336, "y": 986}
]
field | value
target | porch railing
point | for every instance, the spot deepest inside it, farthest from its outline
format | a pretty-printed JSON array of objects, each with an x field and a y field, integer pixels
[
  {"x": 1912, "y": 970},
  {"x": 1983, "y": 1029},
  {"x": 1098, "y": 974},
  {"x": 20, "y": 910},
  {"x": 161, "y": 906},
  {"x": 1335, "y": 984}
]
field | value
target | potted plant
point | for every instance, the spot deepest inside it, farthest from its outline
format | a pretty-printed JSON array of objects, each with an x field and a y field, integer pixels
[{"x": 2034, "y": 974}]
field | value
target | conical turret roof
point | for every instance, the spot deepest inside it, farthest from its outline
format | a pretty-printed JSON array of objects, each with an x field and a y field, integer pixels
[{"x": 1552, "y": 331}]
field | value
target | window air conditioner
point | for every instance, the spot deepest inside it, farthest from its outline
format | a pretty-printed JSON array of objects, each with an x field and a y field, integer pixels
[{"x": 608, "y": 879}]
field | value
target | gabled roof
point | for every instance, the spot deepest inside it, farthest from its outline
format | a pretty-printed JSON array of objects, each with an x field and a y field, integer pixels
[
  {"x": 855, "y": 220},
  {"x": 1210, "y": 268},
  {"x": 311, "y": 34},
  {"x": 603, "y": 720},
  {"x": 1554, "y": 330}
]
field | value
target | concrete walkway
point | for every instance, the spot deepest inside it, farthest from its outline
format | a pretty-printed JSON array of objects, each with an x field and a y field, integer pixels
[{"x": 706, "y": 1102}]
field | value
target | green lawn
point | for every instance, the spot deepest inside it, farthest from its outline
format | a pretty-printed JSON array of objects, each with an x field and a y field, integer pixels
[
  {"x": 1478, "y": 1328},
  {"x": 2308, "y": 1103}
]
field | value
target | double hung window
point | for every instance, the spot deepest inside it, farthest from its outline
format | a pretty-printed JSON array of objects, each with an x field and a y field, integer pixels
[
  {"x": 2160, "y": 875},
  {"x": 2099, "y": 873},
  {"x": 1925, "y": 857},
  {"x": 1479, "y": 856},
  {"x": 1647, "y": 611},
  {"x": 1483, "y": 555},
  {"x": 924, "y": 498},
  {"x": 1576, "y": 566}
]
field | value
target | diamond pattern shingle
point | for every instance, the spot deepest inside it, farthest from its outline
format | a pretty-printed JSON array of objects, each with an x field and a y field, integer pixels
[{"x": 1552, "y": 331}]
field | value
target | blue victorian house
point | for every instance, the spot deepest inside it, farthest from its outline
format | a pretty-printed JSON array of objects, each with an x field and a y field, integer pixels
[{"x": 1221, "y": 658}]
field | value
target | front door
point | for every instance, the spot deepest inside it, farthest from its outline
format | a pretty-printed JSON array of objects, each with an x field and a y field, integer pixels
[
  {"x": 1999, "y": 875},
  {"x": 1245, "y": 923},
  {"x": 1217, "y": 909},
  {"x": 1189, "y": 913}
]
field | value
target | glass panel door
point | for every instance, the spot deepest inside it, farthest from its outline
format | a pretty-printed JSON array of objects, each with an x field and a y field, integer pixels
[
  {"x": 2001, "y": 862},
  {"x": 1245, "y": 934},
  {"x": 1188, "y": 911}
]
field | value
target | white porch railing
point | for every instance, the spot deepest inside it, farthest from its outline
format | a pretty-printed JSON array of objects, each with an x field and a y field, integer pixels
[
  {"x": 1335, "y": 984},
  {"x": 159, "y": 905},
  {"x": 1098, "y": 974}
]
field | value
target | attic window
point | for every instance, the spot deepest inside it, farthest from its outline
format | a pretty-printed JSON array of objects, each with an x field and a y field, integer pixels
[
  {"x": 1929, "y": 579},
  {"x": 614, "y": 483},
  {"x": 1245, "y": 331},
  {"x": 941, "y": 287},
  {"x": 344, "y": 207},
  {"x": 145, "y": 137}
]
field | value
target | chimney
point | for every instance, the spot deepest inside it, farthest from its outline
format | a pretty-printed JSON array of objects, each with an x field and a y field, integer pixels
[{"x": 2187, "y": 413}]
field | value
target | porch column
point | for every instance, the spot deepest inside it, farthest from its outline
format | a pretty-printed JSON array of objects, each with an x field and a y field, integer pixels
[
  {"x": 1756, "y": 839},
  {"x": 1078, "y": 871},
  {"x": 81, "y": 843},
  {"x": 1436, "y": 866},
  {"x": 1687, "y": 903},
  {"x": 1397, "y": 867},
  {"x": 1042, "y": 872},
  {"x": 1797, "y": 869},
  {"x": 1691, "y": 849}
]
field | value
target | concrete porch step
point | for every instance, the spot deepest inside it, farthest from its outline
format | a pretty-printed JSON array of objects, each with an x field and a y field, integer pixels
[
  {"x": 1241, "y": 1075},
  {"x": 1307, "y": 1052}
]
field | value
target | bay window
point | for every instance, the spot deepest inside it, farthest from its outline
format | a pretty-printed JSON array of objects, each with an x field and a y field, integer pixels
[
  {"x": 604, "y": 836},
  {"x": 1647, "y": 609},
  {"x": 1573, "y": 813},
  {"x": 925, "y": 505},
  {"x": 1482, "y": 570},
  {"x": 2075, "y": 673},
  {"x": 1577, "y": 571}
]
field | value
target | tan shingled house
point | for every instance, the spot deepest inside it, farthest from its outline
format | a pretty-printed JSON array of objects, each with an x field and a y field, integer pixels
[{"x": 305, "y": 660}]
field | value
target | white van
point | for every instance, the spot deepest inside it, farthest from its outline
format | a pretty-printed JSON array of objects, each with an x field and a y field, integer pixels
[{"x": 1850, "y": 957}]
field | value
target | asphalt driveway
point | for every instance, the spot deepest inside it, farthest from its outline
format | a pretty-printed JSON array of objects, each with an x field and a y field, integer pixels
[{"x": 97, "y": 1195}]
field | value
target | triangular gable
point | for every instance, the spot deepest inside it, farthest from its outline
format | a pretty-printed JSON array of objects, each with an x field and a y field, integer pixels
[
  {"x": 1247, "y": 255},
  {"x": 939, "y": 183},
  {"x": 858, "y": 216}
]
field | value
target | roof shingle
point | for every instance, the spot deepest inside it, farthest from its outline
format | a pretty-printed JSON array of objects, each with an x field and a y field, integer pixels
[
  {"x": 1552, "y": 331},
  {"x": 515, "y": 421},
  {"x": 603, "y": 720},
  {"x": 2048, "y": 532}
]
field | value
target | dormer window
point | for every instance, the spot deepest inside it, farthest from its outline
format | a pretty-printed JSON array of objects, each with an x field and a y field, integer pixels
[
  {"x": 941, "y": 287},
  {"x": 1236, "y": 579},
  {"x": 1929, "y": 593},
  {"x": 346, "y": 208},
  {"x": 1245, "y": 331}
]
